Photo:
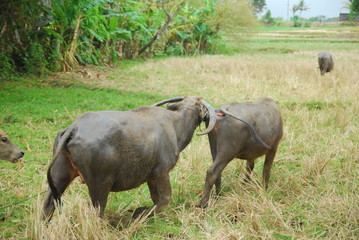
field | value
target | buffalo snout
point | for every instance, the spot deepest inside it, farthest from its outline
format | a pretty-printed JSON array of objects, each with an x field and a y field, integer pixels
[{"x": 8, "y": 150}]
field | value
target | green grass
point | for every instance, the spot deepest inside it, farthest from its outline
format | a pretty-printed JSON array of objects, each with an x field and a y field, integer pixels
[
  {"x": 278, "y": 40},
  {"x": 32, "y": 113}
]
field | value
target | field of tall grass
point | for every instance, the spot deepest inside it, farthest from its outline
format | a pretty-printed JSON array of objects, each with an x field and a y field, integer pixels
[{"x": 313, "y": 191}]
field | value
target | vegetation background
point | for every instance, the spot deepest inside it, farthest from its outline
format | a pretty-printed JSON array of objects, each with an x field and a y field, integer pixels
[{"x": 313, "y": 190}]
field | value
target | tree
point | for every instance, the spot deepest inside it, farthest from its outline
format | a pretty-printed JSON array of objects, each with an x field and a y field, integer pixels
[
  {"x": 39, "y": 35},
  {"x": 162, "y": 29},
  {"x": 267, "y": 18},
  {"x": 354, "y": 9},
  {"x": 346, "y": 4},
  {"x": 301, "y": 6},
  {"x": 294, "y": 9},
  {"x": 258, "y": 5}
]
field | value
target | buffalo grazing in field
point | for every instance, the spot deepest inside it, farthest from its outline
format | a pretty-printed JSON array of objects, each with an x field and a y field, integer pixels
[
  {"x": 325, "y": 61},
  {"x": 244, "y": 130},
  {"x": 120, "y": 150},
  {"x": 8, "y": 150}
]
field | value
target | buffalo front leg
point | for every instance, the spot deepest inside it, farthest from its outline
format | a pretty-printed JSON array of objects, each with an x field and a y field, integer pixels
[
  {"x": 212, "y": 175},
  {"x": 62, "y": 174},
  {"x": 323, "y": 70},
  {"x": 163, "y": 188},
  {"x": 160, "y": 190},
  {"x": 152, "y": 186}
]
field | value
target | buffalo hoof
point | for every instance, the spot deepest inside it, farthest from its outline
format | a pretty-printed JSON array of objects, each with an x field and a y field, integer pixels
[
  {"x": 200, "y": 205},
  {"x": 141, "y": 211}
]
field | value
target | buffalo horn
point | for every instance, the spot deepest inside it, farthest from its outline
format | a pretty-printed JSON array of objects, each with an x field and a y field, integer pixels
[
  {"x": 170, "y": 100},
  {"x": 212, "y": 118}
]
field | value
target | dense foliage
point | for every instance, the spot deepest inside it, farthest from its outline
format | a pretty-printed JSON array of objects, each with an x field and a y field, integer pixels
[
  {"x": 267, "y": 18},
  {"x": 37, "y": 35},
  {"x": 354, "y": 9},
  {"x": 258, "y": 5}
]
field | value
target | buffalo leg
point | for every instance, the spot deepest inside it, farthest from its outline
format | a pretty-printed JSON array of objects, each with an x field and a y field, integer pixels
[
  {"x": 164, "y": 191},
  {"x": 212, "y": 175},
  {"x": 99, "y": 191},
  {"x": 323, "y": 70},
  {"x": 268, "y": 162},
  {"x": 213, "y": 147},
  {"x": 152, "y": 185},
  {"x": 62, "y": 175},
  {"x": 249, "y": 169},
  {"x": 160, "y": 190},
  {"x": 218, "y": 183}
]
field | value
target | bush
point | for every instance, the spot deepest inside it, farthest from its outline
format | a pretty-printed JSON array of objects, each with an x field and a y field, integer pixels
[
  {"x": 296, "y": 22},
  {"x": 64, "y": 34},
  {"x": 307, "y": 24},
  {"x": 6, "y": 66},
  {"x": 267, "y": 18},
  {"x": 34, "y": 59}
]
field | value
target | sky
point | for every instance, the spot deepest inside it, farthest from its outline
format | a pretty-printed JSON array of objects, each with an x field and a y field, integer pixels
[{"x": 328, "y": 8}]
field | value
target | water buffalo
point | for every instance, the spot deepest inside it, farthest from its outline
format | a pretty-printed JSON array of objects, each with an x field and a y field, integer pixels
[
  {"x": 119, "y": 150},
  {"x": 8, "y": 150},
  {"x": 247, "y": 131},
  {"x": 325, "y": 61}
]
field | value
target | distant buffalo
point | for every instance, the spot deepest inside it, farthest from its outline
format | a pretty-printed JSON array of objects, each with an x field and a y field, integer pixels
[{"x": 326, "y": 62}]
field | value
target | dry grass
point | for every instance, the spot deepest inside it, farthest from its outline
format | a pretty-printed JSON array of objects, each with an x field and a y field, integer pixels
[
  {"x": 313, "y": 191},
  {"x": 287, "y": 77}
]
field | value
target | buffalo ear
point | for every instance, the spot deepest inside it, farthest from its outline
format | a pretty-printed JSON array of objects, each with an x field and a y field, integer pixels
[{"x": 172, "y": 107}]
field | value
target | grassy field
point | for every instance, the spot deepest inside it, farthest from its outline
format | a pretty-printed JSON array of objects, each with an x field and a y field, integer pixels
[{"x": 313, "y": 191}]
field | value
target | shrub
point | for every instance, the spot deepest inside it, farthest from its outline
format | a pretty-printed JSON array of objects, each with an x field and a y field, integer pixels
[
  {"x": 307, "y": 24},
  {"x": 6, "y": 66},
  {"x": 267, "y": 18},
  {"x": 34, "y": 59},
  {"x": 296, "y": 22}
]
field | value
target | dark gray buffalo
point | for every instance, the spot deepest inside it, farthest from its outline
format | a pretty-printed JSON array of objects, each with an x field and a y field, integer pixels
[
  {"x": 8, "y": 150},
  {"x": 119, "y": 150},
  {"x": 242, "y": 130},
  {"x": 325, "y": 61}
]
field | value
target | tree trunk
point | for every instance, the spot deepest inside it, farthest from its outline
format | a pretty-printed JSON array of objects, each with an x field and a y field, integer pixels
[{"x": 161, "y": 30}]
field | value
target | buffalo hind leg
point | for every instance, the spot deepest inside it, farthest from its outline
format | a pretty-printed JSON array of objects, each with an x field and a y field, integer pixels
[
  {"x": 217, "y": 183},
  {"x": 99, "y": 191},
  {"x": 62, "y": 174},
  {"x": 213, "y": 146},
  {"x": 268, "y": 162},
  {"x": 249, "y": 169},
  {"x": 213, "y": 173}
]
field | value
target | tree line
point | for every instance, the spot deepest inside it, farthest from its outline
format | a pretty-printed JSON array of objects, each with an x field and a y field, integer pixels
[{"x": 58, "y": 35}]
